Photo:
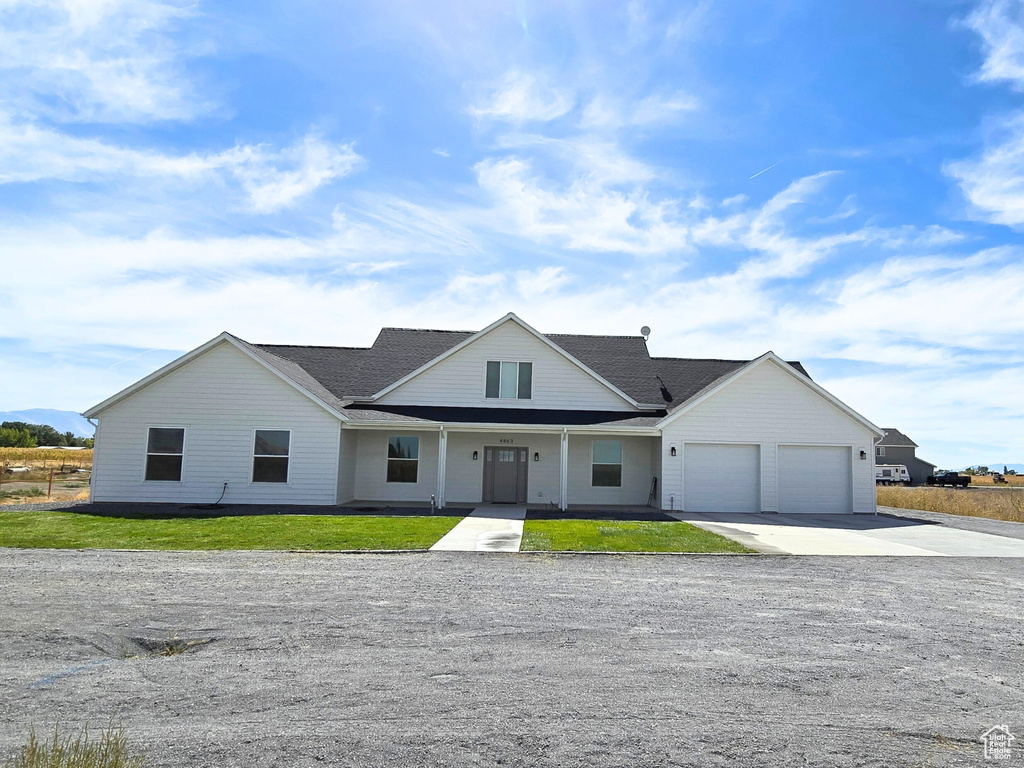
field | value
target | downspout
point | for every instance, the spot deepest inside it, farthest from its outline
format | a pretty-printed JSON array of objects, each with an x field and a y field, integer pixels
[{"x": 92, "y": 474}]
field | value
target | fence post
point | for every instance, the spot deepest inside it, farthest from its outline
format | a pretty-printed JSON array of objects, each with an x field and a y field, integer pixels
[{"x": 49, "y": 488}]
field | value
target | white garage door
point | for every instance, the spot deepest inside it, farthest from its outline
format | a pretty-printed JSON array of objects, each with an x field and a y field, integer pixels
[
  {"x": 814, "y": 479},
  {"x": 721, "y": 478}
]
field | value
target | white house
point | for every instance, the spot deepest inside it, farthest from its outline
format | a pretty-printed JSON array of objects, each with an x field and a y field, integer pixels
[{"x": 505, "y": 414}]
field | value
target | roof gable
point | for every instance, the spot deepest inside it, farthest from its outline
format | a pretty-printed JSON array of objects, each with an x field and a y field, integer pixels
[
  {"x": 536, "y": 337},
  {"x": 769, "y": 358},
  {"x": 289, "y": 372}
]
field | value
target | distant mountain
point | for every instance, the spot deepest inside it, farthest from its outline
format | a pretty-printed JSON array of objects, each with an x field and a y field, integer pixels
[
  {"x": 62, "y": 421},
  {"x": 998, "y": 466}
]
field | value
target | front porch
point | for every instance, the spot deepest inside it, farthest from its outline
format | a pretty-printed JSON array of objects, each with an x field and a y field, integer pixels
[{"x": 547, "y": 467}]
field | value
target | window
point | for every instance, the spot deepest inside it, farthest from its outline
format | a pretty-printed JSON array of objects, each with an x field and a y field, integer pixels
[
  {"x": 165, "y": 448},
  {"x": 509, "y": 380},
  {"x": 403, "y": 458},
  {"x": 270, "y": 456},
  {"x": 880, "y": 450},
  {"x": 606, "y": 469}
]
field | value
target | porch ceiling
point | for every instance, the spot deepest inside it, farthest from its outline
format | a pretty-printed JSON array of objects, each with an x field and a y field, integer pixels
[{"x": 395, "y": 414}]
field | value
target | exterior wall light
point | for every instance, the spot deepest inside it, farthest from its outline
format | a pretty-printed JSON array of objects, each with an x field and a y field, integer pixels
[
  {"x": 863, "y": 455},
  {"x": 672, "y": 450},
  {"x": 476, "y": 455},
  {"x": 536, "y": 456}
]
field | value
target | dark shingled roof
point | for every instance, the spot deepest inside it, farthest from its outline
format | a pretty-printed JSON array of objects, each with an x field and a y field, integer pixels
[
  {"x": 336, "y": 373},
  {"x": 684, "y": 378},
  {"x": 622, "y": 361},
  {"x": 894, "y": 438},
  {"x": 296, "y": 371}
]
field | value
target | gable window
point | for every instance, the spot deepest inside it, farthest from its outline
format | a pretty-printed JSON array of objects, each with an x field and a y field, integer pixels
[
  {"x": 270, "y": 455},
  {"x": 606, "y": 464},
  {"x": 165, "y": 448},
  {"x": 403, "y": 458},
  {"x": 880, "y": 450},
  {"x": 509, "y": 380}
]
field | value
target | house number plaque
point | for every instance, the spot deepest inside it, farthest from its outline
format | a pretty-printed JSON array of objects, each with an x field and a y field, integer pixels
[{"x": 506, "y": 440}]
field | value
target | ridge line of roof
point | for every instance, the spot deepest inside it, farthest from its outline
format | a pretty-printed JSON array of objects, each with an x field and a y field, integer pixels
[{"x": 310, "y": 346}]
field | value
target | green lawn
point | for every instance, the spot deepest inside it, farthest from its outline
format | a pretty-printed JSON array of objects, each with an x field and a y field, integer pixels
[
  {"x": 623, "y": 536},
  {"x": 68, "y": 530}
]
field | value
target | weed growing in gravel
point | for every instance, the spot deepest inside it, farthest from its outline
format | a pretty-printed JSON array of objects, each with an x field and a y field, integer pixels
[
  {"x": 110, "y": 750},
  {"x": 174, "y": 645}
]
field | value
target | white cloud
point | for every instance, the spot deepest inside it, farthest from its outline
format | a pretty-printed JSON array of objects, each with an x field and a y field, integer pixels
[
  {"x": 522, "y": 97},
  {"x": 585, "y": 215},
  {"x": 271, "y": 180},
  {"x": 276, "y": 181},
  {"x": 605, "y": 112},
  {"x": 1000, "y": 23},
  {"x": 599, "y": 160},
  {"x": 95, "y": 60},
  {"x": 994, "y": 182}
]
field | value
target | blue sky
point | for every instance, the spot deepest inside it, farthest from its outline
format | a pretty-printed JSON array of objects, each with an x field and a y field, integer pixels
[{"x": 841, "y": 182}]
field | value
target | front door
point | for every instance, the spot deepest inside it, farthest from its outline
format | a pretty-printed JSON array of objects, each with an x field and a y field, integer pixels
[{"x": 505, "y": 475}]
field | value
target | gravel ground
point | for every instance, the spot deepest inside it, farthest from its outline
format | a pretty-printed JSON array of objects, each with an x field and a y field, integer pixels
[
  {"x": 39, "y": 505},
  {"x": 536, "y": 660}
]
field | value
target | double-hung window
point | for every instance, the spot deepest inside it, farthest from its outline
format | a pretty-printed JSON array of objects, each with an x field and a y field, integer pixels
[
  {"x": 403, "y": 458},
  {"x": 606, "y": 464},
  {"x": 509, "y": 380},
  {"x": 270, "y": 455},
  {"x": 165, "y": 449},
  {"x": 880, "y": 451}
]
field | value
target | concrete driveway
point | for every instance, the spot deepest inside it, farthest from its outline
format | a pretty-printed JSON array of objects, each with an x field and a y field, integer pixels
[{"x": 865, "y": 534}]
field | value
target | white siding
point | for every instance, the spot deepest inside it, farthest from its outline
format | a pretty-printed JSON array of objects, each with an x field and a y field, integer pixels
[
  {"x": 219, "y": 397},
  {"x": 464, "y": 480},
  {"x": 767, "y": 406},
  {"x": 459, "y": 380},
  {"x": 636, "y": 471},
  {"x": 347, "y": 466},
  {"x": 371, "y": 468}
]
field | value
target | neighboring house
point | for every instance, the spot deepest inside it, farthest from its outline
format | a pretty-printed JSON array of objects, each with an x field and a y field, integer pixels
[
  {"x": 505, "y": 414},
  {"x": 897, "y": 448}
]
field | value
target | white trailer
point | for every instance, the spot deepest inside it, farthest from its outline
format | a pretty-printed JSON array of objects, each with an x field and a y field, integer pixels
[{"x": 891, "y": 474}]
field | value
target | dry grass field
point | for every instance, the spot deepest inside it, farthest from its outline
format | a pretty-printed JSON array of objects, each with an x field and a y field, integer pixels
[
  {"x": 70, "y": 482},
  {"x": 1012, "y": 481},
  {"x": 998, "y": 504}
]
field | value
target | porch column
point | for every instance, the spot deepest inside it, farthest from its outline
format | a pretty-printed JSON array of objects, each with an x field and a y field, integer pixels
[
  {"x": 442, "y": 456},
  {"x": 563, "y": 471}
]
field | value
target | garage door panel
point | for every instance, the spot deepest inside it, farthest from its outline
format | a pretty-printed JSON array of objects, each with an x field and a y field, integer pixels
[
  {"x": 721, "y": 478},
  {"x": 814, "y": 479}
]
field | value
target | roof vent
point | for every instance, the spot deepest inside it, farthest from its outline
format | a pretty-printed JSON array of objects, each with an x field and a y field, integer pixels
[{"x": 645, "y": 332}]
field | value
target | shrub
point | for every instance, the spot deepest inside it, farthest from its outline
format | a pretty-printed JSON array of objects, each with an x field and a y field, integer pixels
[{"x": 110, "y": 750}]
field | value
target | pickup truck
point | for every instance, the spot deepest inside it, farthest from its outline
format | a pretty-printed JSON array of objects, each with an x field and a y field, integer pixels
[{"x": 949, "y": 478}]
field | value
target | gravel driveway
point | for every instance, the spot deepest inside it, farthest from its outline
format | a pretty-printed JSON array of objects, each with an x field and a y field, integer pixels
[{"x": 534, "y": 660}]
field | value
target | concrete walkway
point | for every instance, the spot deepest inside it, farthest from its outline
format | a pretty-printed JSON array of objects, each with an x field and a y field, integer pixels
[
  {"x": 486, "y": 529},
  {"x": 854, "y": 535}
]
